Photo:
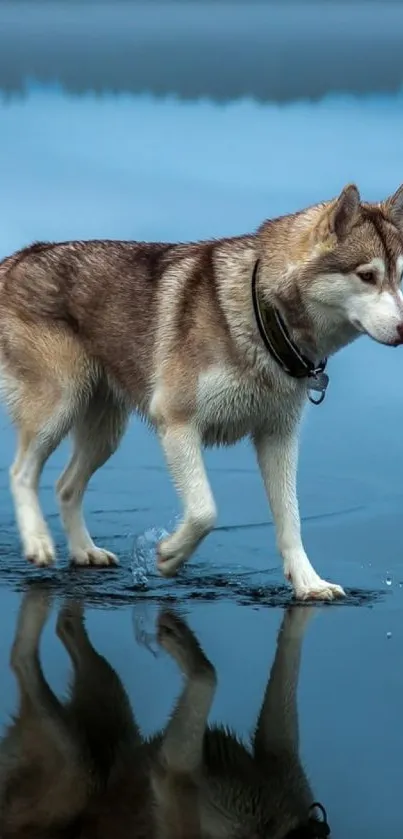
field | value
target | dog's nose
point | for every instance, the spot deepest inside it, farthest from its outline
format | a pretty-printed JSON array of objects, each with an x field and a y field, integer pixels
[{"x": 400, "y": 333}]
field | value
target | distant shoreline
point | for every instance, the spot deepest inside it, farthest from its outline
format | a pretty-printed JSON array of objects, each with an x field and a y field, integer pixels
[{"x": 271, "y": 52}]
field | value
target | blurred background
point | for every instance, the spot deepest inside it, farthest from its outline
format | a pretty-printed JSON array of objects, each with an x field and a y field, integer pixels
[{"x": 215, "y": 49}]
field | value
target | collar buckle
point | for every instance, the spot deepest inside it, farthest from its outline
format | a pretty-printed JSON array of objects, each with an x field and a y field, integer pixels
[{"x": 318, "y": 381}]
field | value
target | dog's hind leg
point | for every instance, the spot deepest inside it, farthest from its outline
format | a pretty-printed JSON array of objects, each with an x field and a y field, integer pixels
[
  {"x": 34, "y": 449},
  {"x": 98, "y": 704},
  {"x": 43, "y": 772},
  {"x": 96, "y": 434},
  {"x": 45, "y": 381},
  {"x": 41, "y": 430},
  {"x": 24, "y": 659}
]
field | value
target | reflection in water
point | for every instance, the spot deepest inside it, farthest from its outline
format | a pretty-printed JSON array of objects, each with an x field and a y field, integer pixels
[{"x": 82, "y": 769}]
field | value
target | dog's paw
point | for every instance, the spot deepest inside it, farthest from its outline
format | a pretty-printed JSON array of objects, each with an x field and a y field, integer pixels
[
  {"x": 93, "y": 556},
  {"x": 70, "y": 624},
  {"x": 169, "y": 559},
  {"x": 177, "y": 639},
  {"x": 39, "y": 550},
  {"x": 320, "y": 590}
]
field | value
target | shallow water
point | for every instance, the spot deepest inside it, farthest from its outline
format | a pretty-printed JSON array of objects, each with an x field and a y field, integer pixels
[{"x": 135, "y": 166}]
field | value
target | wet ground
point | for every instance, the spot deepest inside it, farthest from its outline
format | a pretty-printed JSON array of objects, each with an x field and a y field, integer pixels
[{"x": 127, "y": 166}]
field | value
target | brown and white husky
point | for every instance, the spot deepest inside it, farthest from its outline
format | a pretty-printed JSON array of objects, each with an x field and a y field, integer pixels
[{"x": 209, "y": 342}]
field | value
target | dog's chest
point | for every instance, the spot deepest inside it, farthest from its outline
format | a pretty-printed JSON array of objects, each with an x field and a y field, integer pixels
[{"x": 230, "y": 406}]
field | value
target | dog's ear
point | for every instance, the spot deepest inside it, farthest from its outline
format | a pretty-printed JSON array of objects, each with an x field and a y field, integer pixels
[
  {"x": 344, "y": 211},
  {"x": 393, "y": 208},
  {"x": 337, "y": 218}
]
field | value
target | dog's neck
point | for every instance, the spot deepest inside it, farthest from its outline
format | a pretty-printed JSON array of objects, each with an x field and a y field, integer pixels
[{"x": 283, "y": 249}]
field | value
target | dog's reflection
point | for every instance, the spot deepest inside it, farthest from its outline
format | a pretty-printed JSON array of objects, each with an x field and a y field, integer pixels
[{"x": 82, "y": 770}]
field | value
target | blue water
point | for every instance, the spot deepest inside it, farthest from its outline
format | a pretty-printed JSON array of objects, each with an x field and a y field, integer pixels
[{"x": 137, "y": 166}]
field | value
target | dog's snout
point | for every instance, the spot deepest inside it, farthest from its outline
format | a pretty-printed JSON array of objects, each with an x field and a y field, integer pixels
[{"x": 400, "y": 334}]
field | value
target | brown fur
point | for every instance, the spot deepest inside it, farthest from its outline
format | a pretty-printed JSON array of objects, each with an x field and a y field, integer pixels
[
  {"x": 82, "y": 769},
  {"x": 77, "y": 312}
]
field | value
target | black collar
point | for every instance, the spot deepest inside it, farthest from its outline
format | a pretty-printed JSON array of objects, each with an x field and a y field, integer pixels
[{"x": 283, "y": 349}]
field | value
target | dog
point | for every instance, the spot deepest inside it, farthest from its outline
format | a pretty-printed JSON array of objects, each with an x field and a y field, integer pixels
[
  {"x": 81, "y": 769},
  {"x": 209, "y": 342}
]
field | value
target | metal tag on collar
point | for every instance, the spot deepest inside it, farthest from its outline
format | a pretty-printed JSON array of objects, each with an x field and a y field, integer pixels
[{"x": 317, "y": 382}]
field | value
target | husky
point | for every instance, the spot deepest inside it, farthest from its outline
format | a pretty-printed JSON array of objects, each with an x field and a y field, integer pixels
[
  {"x": 209, "y": 342},
  {"x": 81, "y": 769}
]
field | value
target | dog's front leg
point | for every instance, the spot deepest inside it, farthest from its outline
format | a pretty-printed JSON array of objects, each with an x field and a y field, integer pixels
[
  {"x": 277, "y": 457},
  {"x": 277, "y": 728},
  {"x": 178, "y": 770},
  {"x": 182, "y": 448}
]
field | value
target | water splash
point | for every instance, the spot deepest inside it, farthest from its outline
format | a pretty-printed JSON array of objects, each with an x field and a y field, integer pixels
[
  {"x": 144, "y": 547},
  {"x": 143, "y": 617}
]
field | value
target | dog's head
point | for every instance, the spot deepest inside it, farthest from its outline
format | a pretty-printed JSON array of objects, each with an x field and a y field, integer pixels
[
  {"x": 336, "y": 268},
  {"x": 353, "y": 263}
]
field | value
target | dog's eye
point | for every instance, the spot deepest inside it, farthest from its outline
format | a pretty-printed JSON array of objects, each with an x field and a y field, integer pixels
[{"x": 367, "y": 276}]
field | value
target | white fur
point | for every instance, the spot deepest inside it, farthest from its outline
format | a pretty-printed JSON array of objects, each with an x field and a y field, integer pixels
[
  {"x": 87, "y": 455},
  {"x": 378, "y": 314},
  {"x": 277, "y": 458},
  {"x": 367, "y": 308},
  {"x": 24, "y": 478},
  {"x": 182, "y": 449},
  {"x": 228, "y": 408}
]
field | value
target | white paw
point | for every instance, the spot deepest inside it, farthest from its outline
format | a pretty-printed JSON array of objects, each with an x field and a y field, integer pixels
[
  {"x": 39, "y": 549},
  {"x": 170, "y": 560},
  {"x": 93, "y": 556},
  {"x": 320, "y": 590}
]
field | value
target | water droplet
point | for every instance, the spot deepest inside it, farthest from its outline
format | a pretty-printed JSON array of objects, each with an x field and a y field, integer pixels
[
  {"x": 388, "y": 580},
  {"x": 388, "y": 634}
]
